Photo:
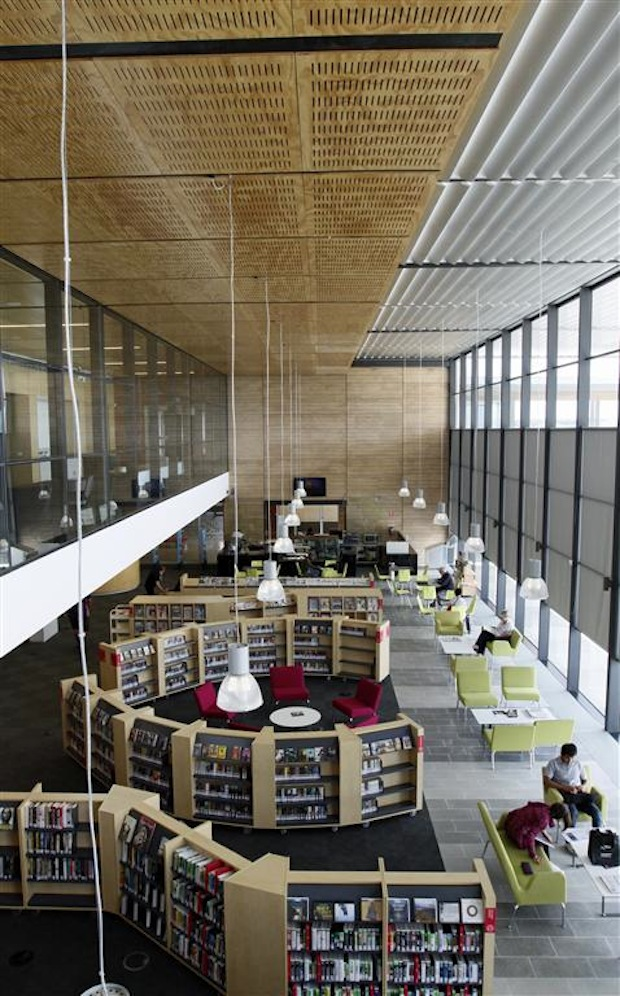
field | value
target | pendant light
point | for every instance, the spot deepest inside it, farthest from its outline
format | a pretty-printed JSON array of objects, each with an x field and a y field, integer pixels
[
  {"x": 441, "y": 516},
  {"x": 534, "y": 587},
  {"x": 66, "y": 521},
  {"x": 283, "y": 544},
  {"x": 239, "y": 691},
  {"x": 298, "y": 497},
  {"x": 403, "y": 491},
  {"x": 270, "y": 589},
  {"x": 419, "y": 501},
  {"x": 291, "y": 520},
  {"x": 474, "y": 542}
]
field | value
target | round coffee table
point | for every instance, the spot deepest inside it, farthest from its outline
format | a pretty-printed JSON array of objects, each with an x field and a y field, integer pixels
[{"x": 293, "y": 717}]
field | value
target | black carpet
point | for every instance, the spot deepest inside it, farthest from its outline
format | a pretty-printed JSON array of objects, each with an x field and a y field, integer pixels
[{"x": 43, "y": 953}]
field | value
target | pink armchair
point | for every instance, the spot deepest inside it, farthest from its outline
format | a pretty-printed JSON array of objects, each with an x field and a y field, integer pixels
[
  {"x": 361, "y": 708},
  {"x": 287, "y": 684},
  {"x": 206, "y": 696}
]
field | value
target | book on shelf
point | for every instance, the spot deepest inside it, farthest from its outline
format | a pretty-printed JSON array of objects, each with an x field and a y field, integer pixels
[
  {"x": 371, "y": 909},
  {"x": 298, "y": 909},
  {"x": 344, "y": 912},
  {"x": 143, "y": 833},
  {"x": 399, "y": 909},
  {"x": 449, "y": 912},
  {"x": 128, "y": 828},
  {"x": 472, "y": 911},
  {"x": 425, "y": 909},
  {"x": 7, "y": 817},
  {"x": 322, "y": 910}
]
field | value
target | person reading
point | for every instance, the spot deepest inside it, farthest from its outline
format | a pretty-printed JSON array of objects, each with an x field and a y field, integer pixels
[
  {"x": 525, "y": 825},
  {"x": 443, "y": 584},
  {"x": 567, "y": 776},
  {"x": 503, "y": 631}
]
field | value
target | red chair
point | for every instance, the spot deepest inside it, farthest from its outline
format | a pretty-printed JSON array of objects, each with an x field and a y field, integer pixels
[
  {"x": 206, "y": 696},
  {"x": 287, "y": 684},
  {"x": 361, "y": 708}
]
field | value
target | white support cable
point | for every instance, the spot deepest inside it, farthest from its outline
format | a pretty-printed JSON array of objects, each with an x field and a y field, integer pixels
[
  {"x": 268, "y": 427},
  {"x": 233, "y": 405},
  {"x": 78, "y": 448},
  {"x": 281, "y": 416}
]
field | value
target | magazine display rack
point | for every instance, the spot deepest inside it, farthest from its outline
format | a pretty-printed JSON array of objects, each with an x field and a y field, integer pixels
[{"x": 256, "y": 926}]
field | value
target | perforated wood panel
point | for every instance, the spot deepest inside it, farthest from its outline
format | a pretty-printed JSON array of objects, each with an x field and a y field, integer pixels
[{"x": 333, "y": 151}]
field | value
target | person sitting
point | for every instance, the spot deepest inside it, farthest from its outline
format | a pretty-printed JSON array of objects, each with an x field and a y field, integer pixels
[
  {"x": 443, "y": 584},
  {"x": 524, "y": 825},
  {"x": 154, "y": 583},
  {"x": 567, "y": 775},
  {"x": 460, "y": 602},
  {"x": 503, "y": 631}
]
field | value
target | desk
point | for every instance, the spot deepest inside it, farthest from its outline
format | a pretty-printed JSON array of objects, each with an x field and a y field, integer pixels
[
  {"x": 505, "y": 717},
  {"x": 295, "y": 717},
  {"x": 606, "y": 880}
]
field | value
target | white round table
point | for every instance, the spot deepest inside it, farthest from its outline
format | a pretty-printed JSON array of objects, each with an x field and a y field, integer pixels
[{"x": 295, "y": 716}]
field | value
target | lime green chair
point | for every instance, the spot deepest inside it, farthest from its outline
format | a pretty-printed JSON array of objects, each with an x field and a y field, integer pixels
[
  {"x": 473, "y": 689},
  {"x": 426, "y": 611},
  {"x": 553, "y": 732},
  {"x": 505, "y": 648},
  {"x": 467, "y": 611},
  {"x": 428, "y": 593},
  {"x": 519, "y": 684},
  {"x": 447, "y": 624},
  {"x": 510, "y": 739},
  {"x": 552, "y": 795},
  {"x": 459, "y": 663}
]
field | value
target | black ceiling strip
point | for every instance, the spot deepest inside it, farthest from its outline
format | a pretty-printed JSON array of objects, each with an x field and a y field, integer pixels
[
  {"x": 253, "y": 46},
  {"x": 396, "y": 361},
  {"x": 425, "y": 329},
  {"x": 479, "y": 265}
]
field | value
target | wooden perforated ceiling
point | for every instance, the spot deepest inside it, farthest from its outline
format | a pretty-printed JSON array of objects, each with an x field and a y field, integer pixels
[{"x": 333, "y": 143}]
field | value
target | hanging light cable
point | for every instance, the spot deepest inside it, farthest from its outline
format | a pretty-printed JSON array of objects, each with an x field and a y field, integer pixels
[
  {"x": 270, "y": 589},
  {"x": 534, "y": 586},
  {"x": 441, "y": 516},
  {"x": 474, "y": 542},
  {"x": 403, "y": 491},
  {"x": 419, "y": 501},
  {"x": 239, "y": 691},
  {"x": 298, "y": 498},
  {"x": 283, "y": 543},
  {"x": 292, "y": 520}
]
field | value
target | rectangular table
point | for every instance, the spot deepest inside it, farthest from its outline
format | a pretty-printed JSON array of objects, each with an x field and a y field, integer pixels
[
  {"x": 457, "y": 644},
  {"x": 606, "y": 880},
  {"x": 505, "y": 717}
]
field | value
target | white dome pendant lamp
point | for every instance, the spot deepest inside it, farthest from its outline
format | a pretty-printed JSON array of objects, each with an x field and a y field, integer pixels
[{"x": 419, "y": 502}]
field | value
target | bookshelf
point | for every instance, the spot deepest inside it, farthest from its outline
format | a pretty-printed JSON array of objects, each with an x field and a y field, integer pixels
[
  {"x": 360, "y": 603},
  {"x": 306, "y": 778},
  {"x": 215, "y": 640},
  {"x": 10, "y": 863},
  {"x": 212, "y": 772},
  {"x": 179, "y": 659},
  {"x": 146, "y": 742},
  {"x": 362, "y": 648},
  {"x": 311, "y": 644},
  {"x": 391, "y": 768},
  {"x": 56, "y": 857},
  {"x": 121, "y": 625},
  {"x": 267, "y": 643},
  {"x": 130, "y": 667},
  {"x": 103, "y": 750},
  {"x": 72, "y": 697}
]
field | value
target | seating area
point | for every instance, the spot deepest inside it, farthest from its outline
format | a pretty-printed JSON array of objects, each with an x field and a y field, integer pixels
[
  {"x": 361, "y": 709},
  {"x": 510, "y": 739},
  {"x": 288, "y": 684},
  {"x": 519, "y": 684},
  {"x": 505, "y": 648}
]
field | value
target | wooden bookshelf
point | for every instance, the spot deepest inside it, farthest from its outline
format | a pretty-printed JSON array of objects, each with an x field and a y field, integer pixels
[
  {"x": 391, "y": 767},
  {"x": 130, "y": 667},
  {"x": 215, "y": 640},
  {"x": 56, "y": 855},
  {"x": 73, "y": 716},
  {"x": 146, "y": 764},
  {"x": 121, "y": 623},
  {"x": 11, "y": 894},
  {"x": 179, "y": 659},
  {"x": 103, "y": 751},
  {"x": 311, "y": 644},
  {"x": 267, "y": 643},
  {"x": 362, "y": 648}
]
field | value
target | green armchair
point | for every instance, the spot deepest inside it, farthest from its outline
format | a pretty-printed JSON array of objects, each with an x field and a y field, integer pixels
[
  {"x": 552, "y": 795},
  {"x": 462, "y": 662},
  {"x": 448, "y": 623},
  {"x": 510, "y": 739},
  {"x": 519, "y": 684},
  {"x": 505, "y": 648},
  {"x": 552, "y": 732},
  {"x": 473, "y": 689}
]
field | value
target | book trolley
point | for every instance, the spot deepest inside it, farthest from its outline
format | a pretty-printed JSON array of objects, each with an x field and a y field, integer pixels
[{"x": 255, "y": 927}]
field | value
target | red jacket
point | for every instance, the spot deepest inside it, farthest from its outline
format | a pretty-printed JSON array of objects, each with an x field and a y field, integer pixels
[{"x": 523, "y": 825}]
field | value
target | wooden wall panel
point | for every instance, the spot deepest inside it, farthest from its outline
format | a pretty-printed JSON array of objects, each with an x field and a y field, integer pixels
[{"x": 352, "y": 434}]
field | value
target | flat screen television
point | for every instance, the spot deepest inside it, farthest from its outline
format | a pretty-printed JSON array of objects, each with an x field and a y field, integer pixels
[{"x": 316, "y": 487}]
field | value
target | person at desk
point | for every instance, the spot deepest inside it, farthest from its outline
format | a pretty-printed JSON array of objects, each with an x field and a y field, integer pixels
[
  {"x": 567, "y": 776},
  {"x": 154, "y": 583},
  {"x": 444, "y": 584},
  {"x": 524, "y": 825},
  {"x": 503, "y": 631}
]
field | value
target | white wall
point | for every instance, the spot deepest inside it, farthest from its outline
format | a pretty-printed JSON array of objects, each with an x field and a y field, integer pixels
[{"x": 42, "y": 590}]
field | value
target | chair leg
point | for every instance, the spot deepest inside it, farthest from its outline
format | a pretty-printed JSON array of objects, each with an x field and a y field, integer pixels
[{"x": 563, "y": 905}]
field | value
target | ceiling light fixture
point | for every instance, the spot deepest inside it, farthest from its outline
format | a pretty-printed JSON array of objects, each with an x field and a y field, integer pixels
[
  {"x": 419, "y": 502},
  {"x": 283, "y": 544},
  {"x": 474, "y": 542},
  {"x": 441, "y": 517},
  {"x": 270, "y": 589},
  {"x": 403, "y": 491}
]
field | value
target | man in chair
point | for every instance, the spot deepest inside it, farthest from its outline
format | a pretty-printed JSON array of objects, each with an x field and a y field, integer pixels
[{"x": 567, "y": 775}]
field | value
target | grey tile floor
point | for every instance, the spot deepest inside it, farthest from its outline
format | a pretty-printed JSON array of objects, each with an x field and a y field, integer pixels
[{"x": 535, "y": 956}]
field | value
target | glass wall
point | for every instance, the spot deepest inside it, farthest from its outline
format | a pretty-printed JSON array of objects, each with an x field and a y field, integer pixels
[
  {"x": 551, "y": 483},
  {"x": 152, "y": 421}
]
